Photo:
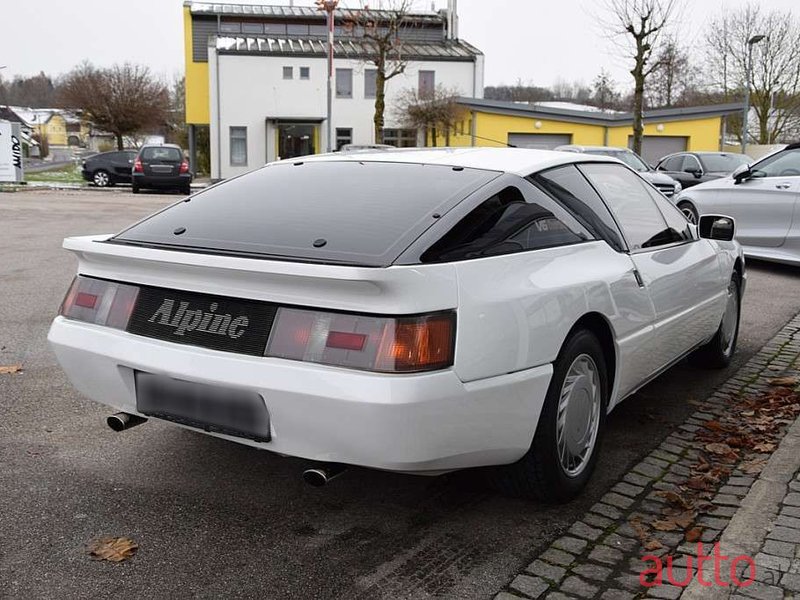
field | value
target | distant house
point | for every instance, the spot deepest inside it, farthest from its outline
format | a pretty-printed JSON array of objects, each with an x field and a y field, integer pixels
[
  {"x": 60, "y": 127},
  {"x": 30, "y": 147}
]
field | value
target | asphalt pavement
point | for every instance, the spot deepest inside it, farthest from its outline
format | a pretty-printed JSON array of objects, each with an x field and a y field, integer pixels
[{"x": 218, "y": 520}]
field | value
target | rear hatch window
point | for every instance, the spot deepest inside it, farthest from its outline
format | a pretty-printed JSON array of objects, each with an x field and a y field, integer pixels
[
  {"x": 162, "y": 154},
  {"x": 330, "y": 212}
]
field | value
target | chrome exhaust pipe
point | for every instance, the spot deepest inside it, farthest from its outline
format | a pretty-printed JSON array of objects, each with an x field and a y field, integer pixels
[
  {"x": 122, "y": 421},
  {"x": 320, "y": 475}
]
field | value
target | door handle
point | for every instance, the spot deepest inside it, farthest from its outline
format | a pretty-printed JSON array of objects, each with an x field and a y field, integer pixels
[
  {"x": 783, "y": 186},
  {"x": 638, "y": 278}
]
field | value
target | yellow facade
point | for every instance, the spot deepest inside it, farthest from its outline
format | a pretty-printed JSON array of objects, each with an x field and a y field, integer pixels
[
  {"x": 55, "y": 130},
  {"x": 197, "y": 99},
  {"x": 493, "y": 129}
]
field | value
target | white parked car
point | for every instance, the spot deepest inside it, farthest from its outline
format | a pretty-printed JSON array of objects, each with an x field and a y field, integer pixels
[
  {"x": 764, "y": 200},
  {"x": 414, "y": 311}
]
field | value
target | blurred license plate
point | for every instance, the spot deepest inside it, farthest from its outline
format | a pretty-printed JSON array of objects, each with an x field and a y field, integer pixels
[
  {"x": 211, "y": 408},
  {"x": 161, "y": 168}
]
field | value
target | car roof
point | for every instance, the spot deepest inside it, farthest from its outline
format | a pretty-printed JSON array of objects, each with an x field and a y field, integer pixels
[
  {"x": 519, "y": 161},
  {"x": 578, "y": 148},
  {"x": 161, "y": 146}
]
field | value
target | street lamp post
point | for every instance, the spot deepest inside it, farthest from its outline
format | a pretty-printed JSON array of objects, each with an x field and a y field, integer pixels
[
  {"x": 748, "y": 71},
  {"x": 329, "y": 6}
]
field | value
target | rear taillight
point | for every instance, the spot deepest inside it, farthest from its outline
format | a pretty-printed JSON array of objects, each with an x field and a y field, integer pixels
[
  {"x": 99, "y": 302},
  {"x": 137, "y": 166},
  {"x": 383, "y": 344},
  {"x": 184, "y": 167}
]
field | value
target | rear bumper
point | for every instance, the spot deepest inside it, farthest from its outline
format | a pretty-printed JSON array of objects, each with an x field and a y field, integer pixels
[
  {"x": 162, "y": 181},
  {"x": 408, "y": 423}
]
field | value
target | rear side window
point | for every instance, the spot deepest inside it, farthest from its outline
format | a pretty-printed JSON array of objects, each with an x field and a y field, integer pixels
[
  {"x": 572, "y": 190},
  {"x": 158, "y": 153},
  {"x": 504, "y": 224},
  {"x": 628, "y": 198},
  {"x": 674, "y": 163}
]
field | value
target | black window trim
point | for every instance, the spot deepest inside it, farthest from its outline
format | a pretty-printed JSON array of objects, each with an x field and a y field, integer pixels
[
  {"x": 413, "y": 253},
  {"x": 626, "y": 247},
  {"x": 630, "y": 250}
]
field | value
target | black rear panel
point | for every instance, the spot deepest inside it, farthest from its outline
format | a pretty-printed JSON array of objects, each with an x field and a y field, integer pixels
[
  {"x": 216, "y": 322},
  {"x": 344, "y": 212}
]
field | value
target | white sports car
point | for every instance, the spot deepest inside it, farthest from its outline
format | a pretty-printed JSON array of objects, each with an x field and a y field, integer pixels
[{"x": 415, "y": 311}]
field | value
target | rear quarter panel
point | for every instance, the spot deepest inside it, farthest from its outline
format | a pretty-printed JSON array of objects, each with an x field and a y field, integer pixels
[{"x": 515, "y": 311}]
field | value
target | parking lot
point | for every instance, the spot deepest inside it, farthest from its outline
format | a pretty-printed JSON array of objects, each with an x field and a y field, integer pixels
[{"x": 215, "y": 519}]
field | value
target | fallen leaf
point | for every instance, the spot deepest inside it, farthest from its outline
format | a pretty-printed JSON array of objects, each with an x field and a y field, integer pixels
[
  {"x": 713, "y": 425},
  {"x": 665, "y": 525},
  {"x": 783, "y": 381},
  {"x": 764, "y": 447},
  {"x": 693, "y": 534},
  {"x": 719, "y": 448},
  {"x": 684, "y": 519},
  {"x": 748, "y": 413},
  {"x": 113, "y": 549},
  {"x": 9, "y": 369},
  {"x": 653, "y": 545},
  {"x": 676, "y": 499},
  {"x": 752, "y": 467},
  {"x": 697, "y": 483}
]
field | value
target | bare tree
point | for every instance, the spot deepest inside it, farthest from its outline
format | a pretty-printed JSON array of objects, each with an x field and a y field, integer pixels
[
  {"x": 775, "y": 76},
  {"x": 638, "y": 27},
  {"x": 381, "y": 31},
  {"x": 38, "y": 91},
  {"x": 673, "y": 74},
  {"x": 604, "y": 96},
  {"x": 435, "y": 113},
  {"x": 124, "y": 99}
]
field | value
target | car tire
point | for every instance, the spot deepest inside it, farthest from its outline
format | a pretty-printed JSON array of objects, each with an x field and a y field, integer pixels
[
  {"x": 717, "y": 353},
  {"x": 102, "y": 178},
  {"x": 135, "y": 188},
  {"x": 579, "y": 392},
  {"x": 186, "y": 190},
  {"x": 689, "y": 211}
]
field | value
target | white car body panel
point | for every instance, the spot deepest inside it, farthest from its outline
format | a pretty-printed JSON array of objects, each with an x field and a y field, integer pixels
[
  {"x": 766, "y": 211},
  {"x": 514, "y": 313}
]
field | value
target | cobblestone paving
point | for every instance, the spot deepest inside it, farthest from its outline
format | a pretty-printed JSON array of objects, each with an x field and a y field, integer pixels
[{"x": 600, "y": 556}]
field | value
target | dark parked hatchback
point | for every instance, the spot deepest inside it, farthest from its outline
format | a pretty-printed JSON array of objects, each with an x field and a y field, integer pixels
[
  {"x": 161, "y": 167},
  {"x": 109, "y": 168}
]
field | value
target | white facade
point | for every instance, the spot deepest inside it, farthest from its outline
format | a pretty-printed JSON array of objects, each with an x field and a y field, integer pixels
[{"x": 249, "y": 91}]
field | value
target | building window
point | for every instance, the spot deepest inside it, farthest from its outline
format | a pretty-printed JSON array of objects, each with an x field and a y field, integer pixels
[
  {"x": 344, "y": 135},
  {"x": 297, "y": 29},
  {"x": 305, "y": 73},
  {"x": 288, "y": 72},
  {"x": 344, "y": 83},
  {"x": 427, "y": 83},
  {"x": 256, "y": 28},
  {"x": 238, "y": 146},
  {"x": 401, "y": 138},
  {"x": 275, "y": 28},
  {"x": 370, "y": 83},
  {"x": 230, "y": 27}
]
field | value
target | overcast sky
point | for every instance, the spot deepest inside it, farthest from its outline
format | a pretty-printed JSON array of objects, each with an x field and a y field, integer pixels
[{"x": 535, "y": 41}]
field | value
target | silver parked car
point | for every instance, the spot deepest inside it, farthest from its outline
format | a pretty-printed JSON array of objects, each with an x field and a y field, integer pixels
[
  {"x": 764, "y": 200},
  {"x": 663, "y": 183}
]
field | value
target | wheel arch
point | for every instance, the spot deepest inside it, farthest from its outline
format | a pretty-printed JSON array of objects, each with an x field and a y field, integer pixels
[{"x": 599, "y": 325}]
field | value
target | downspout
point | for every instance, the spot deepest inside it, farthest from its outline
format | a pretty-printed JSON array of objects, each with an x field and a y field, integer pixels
[
  {"x": 473, "y": 126},
  {"x": 605, "y": 135}
]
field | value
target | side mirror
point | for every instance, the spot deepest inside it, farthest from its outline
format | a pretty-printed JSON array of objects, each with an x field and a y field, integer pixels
[
  {"x": 716, "y": 227},
  {"x": 741, "y": 173},
  {"x": 696, "y": 172}
]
